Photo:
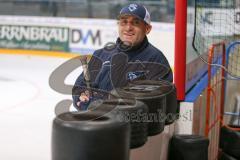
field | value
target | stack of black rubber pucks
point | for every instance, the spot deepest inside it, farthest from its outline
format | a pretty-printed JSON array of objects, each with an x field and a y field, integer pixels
[
  {"x": 154, "y": 96},
  {"x": 130, "y": 110},
  {"x": 230, "y": 141},
  {"x": 172, "y": 105},
  {"x": 188, "y": 147},
  {"x": 89, "y": 136}
]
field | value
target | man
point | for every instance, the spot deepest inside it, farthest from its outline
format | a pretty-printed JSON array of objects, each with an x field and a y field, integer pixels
[{"x": 131, "y": 58}]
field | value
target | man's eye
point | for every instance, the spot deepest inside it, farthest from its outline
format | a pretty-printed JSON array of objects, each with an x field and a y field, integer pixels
[
  {"x": 136, "y": 22},
  {"x": 123, "y": 22}
]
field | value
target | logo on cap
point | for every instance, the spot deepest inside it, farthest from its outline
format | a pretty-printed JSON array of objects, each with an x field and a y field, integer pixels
[{"x": 132, "y": 7}]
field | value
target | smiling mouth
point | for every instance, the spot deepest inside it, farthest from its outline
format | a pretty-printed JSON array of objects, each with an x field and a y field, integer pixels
[{"x": 128, "y": 36}]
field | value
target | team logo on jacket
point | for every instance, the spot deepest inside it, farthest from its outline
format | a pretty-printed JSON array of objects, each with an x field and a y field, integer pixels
[{"x": 136, "y": 75}]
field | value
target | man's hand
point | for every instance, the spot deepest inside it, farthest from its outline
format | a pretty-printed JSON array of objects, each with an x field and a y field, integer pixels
[{"x": 84, "y": 97}]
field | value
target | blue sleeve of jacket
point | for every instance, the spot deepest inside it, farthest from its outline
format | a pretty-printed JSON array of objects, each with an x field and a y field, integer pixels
[{"x": 161, "y": 59}]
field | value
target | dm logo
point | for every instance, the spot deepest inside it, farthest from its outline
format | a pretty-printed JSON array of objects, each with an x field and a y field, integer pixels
[
  {"x": 132, "y": 7},
  {"x": 86, "y": 36}
]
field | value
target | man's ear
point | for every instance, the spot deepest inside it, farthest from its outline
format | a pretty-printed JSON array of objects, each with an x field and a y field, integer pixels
[{"x": 148, "y": 28}]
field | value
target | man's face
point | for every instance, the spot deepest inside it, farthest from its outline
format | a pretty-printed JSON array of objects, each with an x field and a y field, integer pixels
[{"x": 132, "y": 30}]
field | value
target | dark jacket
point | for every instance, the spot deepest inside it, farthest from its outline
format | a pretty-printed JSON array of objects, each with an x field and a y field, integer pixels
[{"x": 115, "y": 65}]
